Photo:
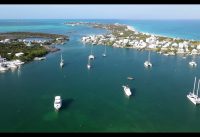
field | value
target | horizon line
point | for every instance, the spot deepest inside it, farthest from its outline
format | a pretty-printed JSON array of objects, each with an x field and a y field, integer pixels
[{"x": 94, "y": 19}]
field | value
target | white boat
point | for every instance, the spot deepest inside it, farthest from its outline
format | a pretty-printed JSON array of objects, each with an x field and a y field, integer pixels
[
  {"x": 12, "y": 65},
  {"x": 39, "y": 58},
  {"x": 57, "y": 102},
  {"x": 148, "y": 63},
  {"x": 194, "y": 97},
  {"x": 130, "y": 78},
  {"x": 193, "y": 63},
  {"x": 61, "y": 61},
  {"x": 104, "y": 54},
  {"x": 127, "y": 90},
  {"x": 3, "y": 68}
]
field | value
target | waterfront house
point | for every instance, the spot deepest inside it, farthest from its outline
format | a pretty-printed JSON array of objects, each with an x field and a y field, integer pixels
[
  {"x": 198, "y": 47},
  {"x": 2, "y": 59},
  {"x": 194, "y": 52}
]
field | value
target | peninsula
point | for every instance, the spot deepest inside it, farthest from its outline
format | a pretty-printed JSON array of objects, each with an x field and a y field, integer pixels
[
  {"x": 25, "y": 46},
  {"x": 124, "y": 36}
]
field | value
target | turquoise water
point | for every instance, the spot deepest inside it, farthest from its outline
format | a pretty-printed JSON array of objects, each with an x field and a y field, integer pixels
[{"x": 93, "y": 100}]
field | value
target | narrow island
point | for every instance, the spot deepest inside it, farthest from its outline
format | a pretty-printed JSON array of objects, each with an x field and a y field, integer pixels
[
  {"x": 17, "y": 48},
  {"x": 124, "y": 36}
]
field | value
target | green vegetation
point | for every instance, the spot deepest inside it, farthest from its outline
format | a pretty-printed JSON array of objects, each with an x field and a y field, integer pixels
[
  {"x": 29, "y": 52},
  {"x": 23, "y": 35},
  {"x": 109, "y": 43},
  {"x": 190, "y": 48},
  {"x": 158, "y": 49}
]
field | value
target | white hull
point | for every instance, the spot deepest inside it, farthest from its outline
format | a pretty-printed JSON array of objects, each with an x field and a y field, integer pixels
[
  {"x": 193, "y": 64},
  {"x": 129, "y": 78},
  {"x": 57, "y": 103},
  {"x": 103, "y": 54},
  {"x": 3, "y": 67},
  {"x": 39, "y": 58},
  {"x": 61, "y": 64},
  {"x": 193, "y": 99},
  {"x": 147, "y": 64},
  {"x": 12, "y": 66},
  {"x": 57, "y": 107},
  {"x": 91, "y": 57},
  {"x": 127, "y": 90}
]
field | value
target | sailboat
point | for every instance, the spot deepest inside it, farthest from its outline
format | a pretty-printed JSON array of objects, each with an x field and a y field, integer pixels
[
  {"x": 91, "y": 56},
  {"x": 104, "y": 54},
  {"x": 148, "y": 63},
  {"x": 88, "y": 65},
  {"x": 193, "y": 63},
  {"x": 192, "y": 96},
  {"x": 61, "y": 61}
]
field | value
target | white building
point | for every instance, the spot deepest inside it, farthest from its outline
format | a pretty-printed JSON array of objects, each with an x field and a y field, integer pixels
[{"x": 194, "y": 52}]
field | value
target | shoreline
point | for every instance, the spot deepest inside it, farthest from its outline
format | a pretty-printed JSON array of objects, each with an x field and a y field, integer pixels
[
  {"x": 14, "y": 46},
  {"x": 160, "y": 35},
  {"x": 121, "y": 35}
]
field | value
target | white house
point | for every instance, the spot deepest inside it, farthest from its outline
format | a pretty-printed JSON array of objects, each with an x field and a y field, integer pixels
[
  {"x": 198, "y": 47},
  {"x": 194, "y": 51}
]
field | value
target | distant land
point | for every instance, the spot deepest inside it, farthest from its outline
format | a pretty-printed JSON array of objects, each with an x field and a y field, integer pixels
[{"x": 124, "y": 36}]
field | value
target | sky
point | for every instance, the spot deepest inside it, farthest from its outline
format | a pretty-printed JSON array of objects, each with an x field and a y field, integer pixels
[{"x": 93, "y": 11}]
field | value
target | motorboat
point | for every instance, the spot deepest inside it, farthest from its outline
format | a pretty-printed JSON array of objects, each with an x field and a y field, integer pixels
[
  {"x": 39, "y": 58},
  {"x": 57, "y": 102},
  {"x": 130, "y": 78}
]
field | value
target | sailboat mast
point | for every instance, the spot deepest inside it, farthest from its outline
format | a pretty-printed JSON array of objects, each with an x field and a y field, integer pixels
[
  {"x": 61, "y": 57},
  {"x": 91, "y": 50},
  {"x": 194, "y": 85},
  {"x": 193, "y": 57},
  {"x": 88, "y": 61},
  {"x": 198, "y": 88},
  {"x": 149, "y": 57},
  {"x": 105, "y": 49}
]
